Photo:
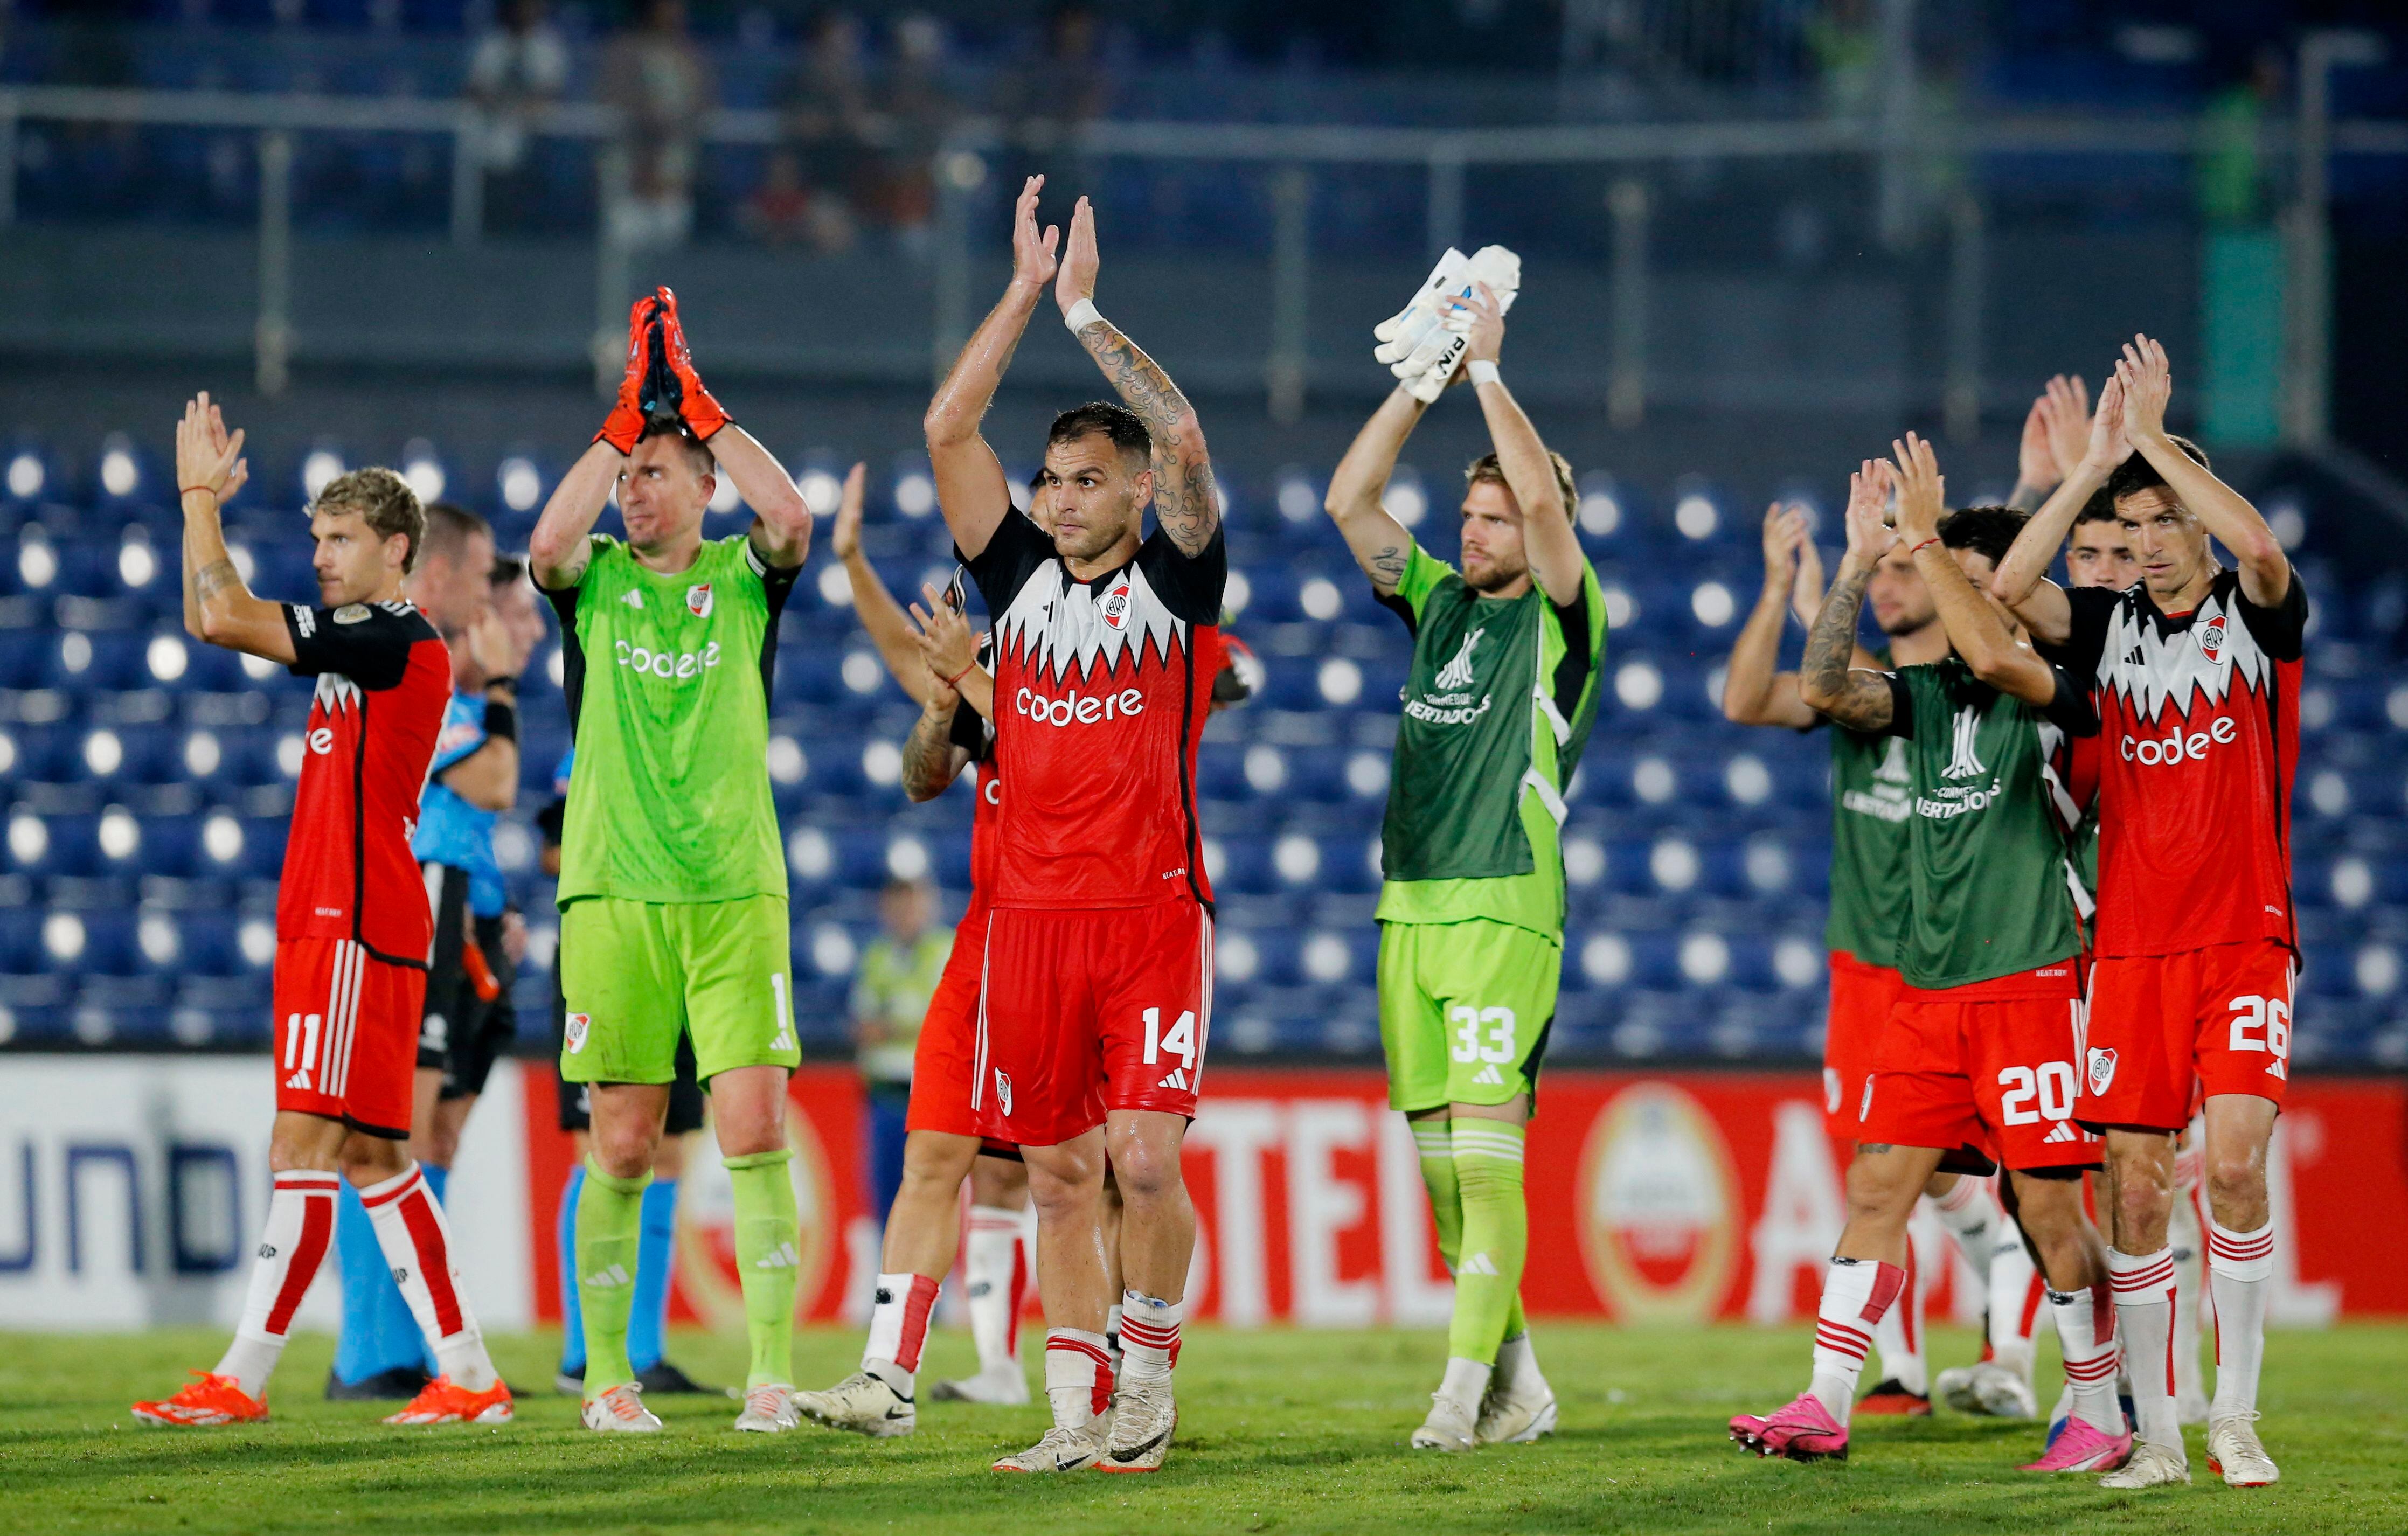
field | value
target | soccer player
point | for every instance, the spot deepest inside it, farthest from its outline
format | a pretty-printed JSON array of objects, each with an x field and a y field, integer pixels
[
  {"x": 1871, "y": 804},
  {"x": 1507, "y": 655},
  {"x": 379, "y": 1354},
  {"x": 656, "y": 1233},
  {"x": 941, "y": 1143},
  {"x": 2196, "y": 671},
  {"x": 351, "y": 922},
  {"x": 672, "y": 883},
  {"x": 1976, "y": 1062},
  {"x": 1097, "y": 998}
]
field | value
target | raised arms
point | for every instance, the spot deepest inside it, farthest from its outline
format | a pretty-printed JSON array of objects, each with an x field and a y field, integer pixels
[
  {"x": 1185, "y": 503},
  {"x": 881, "y": 615},
  {"x": 1853, "y": 696},
  {"x": 2021, "y": 582},
  {"x": 1980, "y": 635},
  {"x": 970, "y": 485},
  {"x": 2055, "y": 432},
  {"x": 1754, "y": 693},
  {"x": 2227, "y": 515},
  {"x": 1360, "y": 481},
  {"x": 558, "y": 551},
  {"x": 1553, "y": 548},
  {"x": 219, "y": 607}
]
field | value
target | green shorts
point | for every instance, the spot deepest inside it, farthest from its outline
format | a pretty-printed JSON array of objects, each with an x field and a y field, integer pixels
[
  {"x": 636, "y": 975},
  {"x": 1464, "y": 1010}
]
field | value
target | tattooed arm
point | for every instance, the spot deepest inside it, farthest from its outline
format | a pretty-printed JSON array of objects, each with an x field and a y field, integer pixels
[
  {"x": 931, "y": 761},
  {"x": 1853, "y": 697},
  {"x": 219, "y": 607},
  {"x": 1380, "y": 543},
  {"x": 1185, "y": 502}
]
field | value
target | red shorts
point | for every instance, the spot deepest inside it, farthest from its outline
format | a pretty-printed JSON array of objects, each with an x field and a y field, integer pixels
[
  {"x": 942, "y": 1062},
  {"x": 1862, "y": 997},
  {"x": 347, "y": 1035},
  {"x": 1984, "y": 1073},
  {"x": 1090, "y": 1010},
  {"x": 2164, "y": 1028}
]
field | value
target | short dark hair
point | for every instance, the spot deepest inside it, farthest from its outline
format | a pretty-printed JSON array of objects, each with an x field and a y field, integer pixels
[
  {"x": 1487, "y": 471},
  {"x": 1984, "y": 530},
  {"x": 2137, "y": 474},
  {"x": 384, "y": 502},
  {"x": 704, "y": 461},
  {"x": 2101, "y": 507},
  {"x": 508, "y": 569},
  {"x": 1115, "y": 421},
  {"x": 449, "y": 527}
]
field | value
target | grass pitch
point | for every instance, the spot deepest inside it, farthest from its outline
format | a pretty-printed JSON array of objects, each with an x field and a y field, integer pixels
[{"x": 1281, "y": 1431}]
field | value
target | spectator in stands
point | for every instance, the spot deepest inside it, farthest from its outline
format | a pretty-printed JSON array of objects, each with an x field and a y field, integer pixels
[
  {"x": 1046, "y": 105},
  {"x": 918, "y": 111},
  {"x": 891, "y": 988},
  {"x": 826, "y": 105},
  {"x": 660, "y": 85},
  {"x": 515, "y": 71}
]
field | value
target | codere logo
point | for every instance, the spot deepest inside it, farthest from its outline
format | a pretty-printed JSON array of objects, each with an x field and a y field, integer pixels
[{"x": 676, "y": 666}]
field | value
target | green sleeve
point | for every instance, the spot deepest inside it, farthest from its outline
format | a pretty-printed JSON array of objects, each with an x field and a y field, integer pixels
[{"x": 1424, "y": 574}]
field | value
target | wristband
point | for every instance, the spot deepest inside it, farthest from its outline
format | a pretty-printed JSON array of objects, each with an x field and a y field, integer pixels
[
  {"x": 955, "y": 683},
  {"x": 183, "y": 491},
  {"x": 1080, "y": 315},
  {"x": 1918, "y": 549},
  {"x": 501, "y": 721},
  {"x": 1482, "y": 371}
]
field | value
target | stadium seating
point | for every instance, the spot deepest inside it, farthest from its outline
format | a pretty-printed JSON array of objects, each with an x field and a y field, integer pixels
[{"x": 147, "y": 779}]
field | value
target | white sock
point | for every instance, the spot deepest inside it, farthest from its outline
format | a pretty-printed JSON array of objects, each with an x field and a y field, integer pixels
[
  {"x": 1518, "y": 1367},
  {"x": 2015, "y": 1300},
  {"x": 1078, "y": 1376},
  {"x": 300, "y": 1226},
  {"x": 2238, "y": 1265},
  {"x": 1112, "y": 1317},
  {"x": 417, "y": 1245},
  {"x": 2144, "y": 1304},
  {"x": 898, "y": 1326},
  {"x": 1148, "y": 1336},
  {"x": 1973, "y": 1217},
  {"x": 1466, "y": 1384},
  {"x": 1898, "y": 1334},
  {"x": 1856, "y": 1292},
  {"x": 2190, "y": 1283},
  {"x": 991, "y": 1263},
  {"x": 2085, "y": 1335}
]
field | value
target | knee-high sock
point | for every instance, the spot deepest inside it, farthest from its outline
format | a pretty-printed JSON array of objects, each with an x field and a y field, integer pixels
[
  {"x": 997, "y": 1281},
  {"x": 1856, "y": 1294},
  {"x": 2016, "y": 1294},
  {"x": 1973, "y": 1217},
  {"x": 439, "y": 1180},
  {"x": 300, "y": 1224},
  {"x": 2085, "y": 1333},
  {"x": 609, "y": 1215},
  {"x": 379, "y": 1334},
  {"x": 898, "y": 1328},
  {"x": 767, "y": 1230},
  {"x": 1898, "y": 1333},
  {"x": 2144, "y": 1304},
  {"x": 2239, "y": 1265},
  {"x": 1436, "y": 1150},
  {"x": 417, "y": 1242},
  {"x": 572, "y": 1319},
  {"x": 1496, "y": 1236},
  {"x": 2190, "y": 1276},
  {"x": 648, "y": 1320}
]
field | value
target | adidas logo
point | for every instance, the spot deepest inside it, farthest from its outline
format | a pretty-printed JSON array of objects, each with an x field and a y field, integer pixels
[
  {"x": 633, "y": 599},
  {"x": 1178, "y": 1079},
  {"x": 1489, "y": 1075},
  {"x": 1476, "y": 1264},
  {"x": 783, "y": 1258},
  {"x": 299, "y": 1080},
  {"x": 604, "y": 1279},
  {"x": 2064, "y": 1132}
]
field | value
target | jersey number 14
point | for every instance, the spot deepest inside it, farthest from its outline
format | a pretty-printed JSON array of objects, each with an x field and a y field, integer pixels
[{"x": 1180, "y": 1042}]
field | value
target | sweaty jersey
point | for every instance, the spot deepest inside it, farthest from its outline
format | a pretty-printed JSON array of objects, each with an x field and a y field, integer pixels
[
  {"x": 668, "y": 701},
  {"x": 1985, "y": 851},
  {"x": 1101, "y": 690},
  {"x": 383, "y": 676},
  {"x": 1497, "y": 710},
  {"x": 2199, "y": 741},
  {"x": 450, "y": 831}
]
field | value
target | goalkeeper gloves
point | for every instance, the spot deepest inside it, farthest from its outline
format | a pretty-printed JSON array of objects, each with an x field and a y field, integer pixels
[
  {"x": 1429, "y": 367},
  {"x": 1399, "y": 334},
  {"x": 681, "y": 386},
  {"x": 625, "y": 422}
]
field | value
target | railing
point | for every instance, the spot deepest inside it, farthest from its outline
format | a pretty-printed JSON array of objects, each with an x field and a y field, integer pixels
[{"x": 1892, "y": 140}]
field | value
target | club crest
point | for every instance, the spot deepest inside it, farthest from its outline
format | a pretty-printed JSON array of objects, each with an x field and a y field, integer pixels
[
  {"x": 1116, "y": 605},
  {"x": 579, "y": 1024},
  {"x": 698, "y": 599},
  {"x": 2102, "y": 1070},
  {"x": 2211, "y": 638}
]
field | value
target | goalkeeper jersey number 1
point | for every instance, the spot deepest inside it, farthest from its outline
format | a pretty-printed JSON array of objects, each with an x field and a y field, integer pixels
[{"x": 667, "y": 678}]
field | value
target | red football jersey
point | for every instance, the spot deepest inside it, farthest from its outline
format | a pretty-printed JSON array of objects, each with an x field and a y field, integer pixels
[
  {"x": 1101, "y": 692},
  {"x": 975, "y": 736},
  {"x": 383, "y": 680},
  {"x": 2198, "y": 744}
]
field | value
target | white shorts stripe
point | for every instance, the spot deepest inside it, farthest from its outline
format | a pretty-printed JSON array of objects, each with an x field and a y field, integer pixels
[
  {"x": 349, "y": 963},
  {"x": 978, "y": 1056}
]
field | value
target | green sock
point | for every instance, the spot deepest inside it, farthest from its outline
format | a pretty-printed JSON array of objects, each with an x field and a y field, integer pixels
[
  {"x": 1432, "y": 1139},
  {"x": 1495, "y": 1238},
  {"x": 767, "y": 1228},
  {"x": 610, "y": 1222}
]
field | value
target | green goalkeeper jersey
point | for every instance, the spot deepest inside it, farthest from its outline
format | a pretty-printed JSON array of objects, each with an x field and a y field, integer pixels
[
  {"x": 668, "y": 679},
  {"x": 1986, "y": 861},
  {"x": 1497, "y": 711}
]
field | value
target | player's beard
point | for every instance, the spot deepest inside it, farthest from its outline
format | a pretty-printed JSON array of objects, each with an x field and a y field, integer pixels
[{"x": 1493, "y": 577}]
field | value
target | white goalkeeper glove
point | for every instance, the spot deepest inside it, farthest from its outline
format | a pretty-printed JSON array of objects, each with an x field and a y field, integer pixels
[
  {"x": 1401, "y": 332},
  {"x": 1430, "y": 368}
]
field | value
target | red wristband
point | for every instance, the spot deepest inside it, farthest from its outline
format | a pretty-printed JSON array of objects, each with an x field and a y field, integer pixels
[
  {"x": 1918, "y": 549},
  {"x": 955, "y": 680},
  {"x": 183, "y": 491}
]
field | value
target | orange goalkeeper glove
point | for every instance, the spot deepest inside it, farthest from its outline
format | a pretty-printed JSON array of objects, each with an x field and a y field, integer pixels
[
  {"x": 625, "y": 422},
  {"x": 683, "y": 388}
]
